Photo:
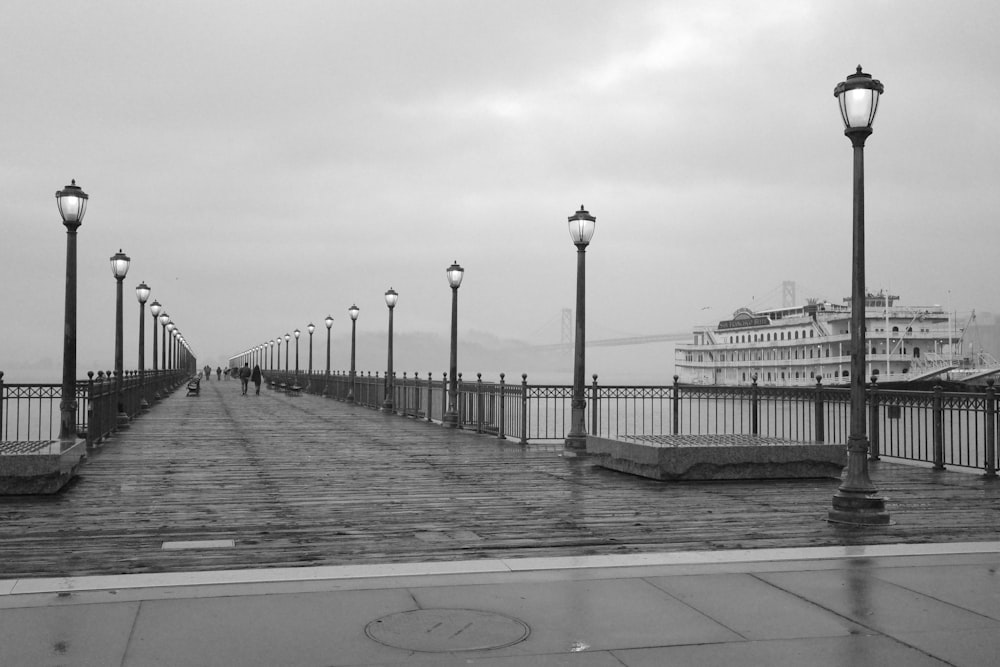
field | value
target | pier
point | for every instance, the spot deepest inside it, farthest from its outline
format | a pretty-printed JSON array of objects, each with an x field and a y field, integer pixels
[{"x": 223, "y": 481}]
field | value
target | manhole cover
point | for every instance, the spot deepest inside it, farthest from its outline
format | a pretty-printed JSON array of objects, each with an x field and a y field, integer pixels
[{"x": 446, "y": 630}]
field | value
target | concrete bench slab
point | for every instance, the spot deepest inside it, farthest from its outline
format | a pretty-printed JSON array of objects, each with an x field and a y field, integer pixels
[
  {"x": 717, "y": 457},
  {"x": 39, "y": 467}
]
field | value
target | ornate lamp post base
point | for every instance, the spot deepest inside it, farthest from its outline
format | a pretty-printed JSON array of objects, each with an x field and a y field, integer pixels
[
  {"x": 576, "y": 445},
  {"x": 858, "y": 510},
  {"x": 856, "y": 501}
]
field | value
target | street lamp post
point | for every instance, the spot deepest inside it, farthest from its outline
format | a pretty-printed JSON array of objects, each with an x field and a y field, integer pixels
[
  {"x": 72, "y": 203},
  {"x": 164, "y": 319},
  {"x": 288, "y": 337},
  {"x": 155, "y": 309},
  {"x": 581, "y": 230},
  {"x": 390, "y": 300},
  {"x": 297, "y": 334},
  {"x": 171, "y": 327},
  {"x": 856, "y": 501},
  {"x": 279, "y": 353},
  {"x": 353, "y": 312},
  {"x": 119, "y": 268},
  {"x": 142, "y": 294},
  {"x": 310, "y": 329},
  {"x": 455, "y": 274},
  {"x": 329, "y": 325},
  {"x": 270, "y": 363}
]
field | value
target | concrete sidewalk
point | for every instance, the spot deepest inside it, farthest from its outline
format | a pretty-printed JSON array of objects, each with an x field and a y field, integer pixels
[{"x": 886, "y": 605}]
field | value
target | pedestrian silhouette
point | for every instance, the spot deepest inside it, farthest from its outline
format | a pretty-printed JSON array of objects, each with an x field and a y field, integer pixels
[
  {"x": 256, "y": 377},
  {"x": 245, "y": 377}
]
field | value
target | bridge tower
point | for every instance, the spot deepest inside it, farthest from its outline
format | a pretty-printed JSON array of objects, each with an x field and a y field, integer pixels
[
  {"x": 567, "y": 326},
  {"x": 788, "y": 294}
]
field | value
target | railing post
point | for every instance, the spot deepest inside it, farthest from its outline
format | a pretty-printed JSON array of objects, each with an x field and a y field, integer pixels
[
  {"x": 501, "y": 430},
  {"x": 430, "y": 396},
  {"x": 479, "y": 402},
  {"x": 820, "y": 422},
  {"x": 675, "y": 407},
  {"x": 938, "y": 429},
  {"x": 991, "y": 430},
  {"x": 594, "y": 406},
  {"x": 460, "y": 403},
  {"x": 1, "y": 405},
  {"x": 873, "y": 424},
  {"x": 524, "y": 408},
  {"x": 754, "y": 408}
]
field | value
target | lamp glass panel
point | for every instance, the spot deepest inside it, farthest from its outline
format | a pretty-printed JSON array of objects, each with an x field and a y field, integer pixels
[
  {"x": 581, "y": 230},
  {"x": 857, "y": 106},
  {"x": 71, "y": 207},
  {"x": 455, "y": 273},
  {"x": 142, "y": 293},
  {"x": 353, "y": 311},
  {"x": 119, "y": 265},
  {"x": 390, "y": 298},
  {"x": 155, "y": 308}
]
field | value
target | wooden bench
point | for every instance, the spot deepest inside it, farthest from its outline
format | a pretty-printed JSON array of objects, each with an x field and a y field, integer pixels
[{"x": 194, "y": 387}]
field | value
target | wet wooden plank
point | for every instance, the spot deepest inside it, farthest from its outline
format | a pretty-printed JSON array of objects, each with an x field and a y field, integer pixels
[{"x": 301, "y": 480}]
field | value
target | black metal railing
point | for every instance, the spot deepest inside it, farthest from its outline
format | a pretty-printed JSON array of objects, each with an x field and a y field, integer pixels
[
  {"x": 30, "y": 411},
  {"x": 944, "y": 428}
]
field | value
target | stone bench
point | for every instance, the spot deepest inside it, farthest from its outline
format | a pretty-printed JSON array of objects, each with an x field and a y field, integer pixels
[
  {"x": 717, "y": 457},
  {"x": 39, "y": 467}
]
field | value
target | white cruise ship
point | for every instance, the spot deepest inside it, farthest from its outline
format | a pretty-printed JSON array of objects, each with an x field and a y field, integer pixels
[{"x": 792, "y": 346}]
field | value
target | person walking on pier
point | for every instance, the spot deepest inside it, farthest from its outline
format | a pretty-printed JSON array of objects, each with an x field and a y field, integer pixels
[
  {"x": 245, "y": 377},
  {"x": 218, "y": 372},
  {"x": 256, "y": 377}
]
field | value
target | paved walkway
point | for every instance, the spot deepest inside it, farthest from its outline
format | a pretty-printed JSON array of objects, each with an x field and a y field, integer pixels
[{"x": 899, "y": 605}]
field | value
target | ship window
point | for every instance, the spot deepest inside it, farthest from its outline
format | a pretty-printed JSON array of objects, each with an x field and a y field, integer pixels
[
  {"x": 875, "y": 371},
  {"x": 796, "y": 335},
  {"x": 768, "y": 377},
  {"x": 916, "y": 353},
  {"x": 895, "y": 329},
  {"x": 744, "y": 377},
  {"x": 812, "y": 334},
  {"x": 845, "y": 374}
]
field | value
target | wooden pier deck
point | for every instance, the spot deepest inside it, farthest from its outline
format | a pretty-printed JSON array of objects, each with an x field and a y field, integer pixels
[{"x": 302, "y": 480}]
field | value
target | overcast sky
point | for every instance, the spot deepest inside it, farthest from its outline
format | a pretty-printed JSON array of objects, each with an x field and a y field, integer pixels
[{"x": 265, "y": 164}]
